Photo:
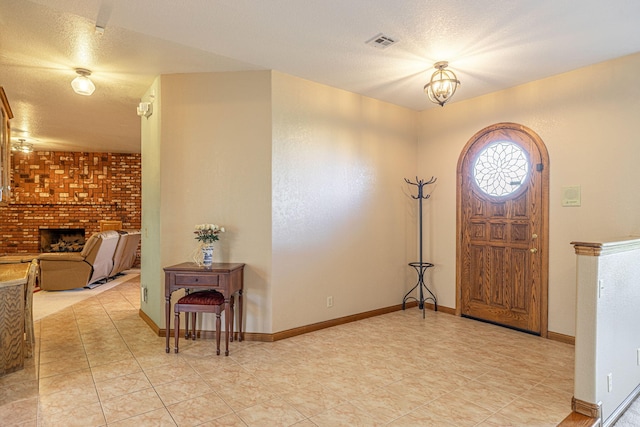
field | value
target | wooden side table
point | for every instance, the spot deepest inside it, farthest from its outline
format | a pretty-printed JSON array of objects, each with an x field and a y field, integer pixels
[{"x": 226, "y": 278}]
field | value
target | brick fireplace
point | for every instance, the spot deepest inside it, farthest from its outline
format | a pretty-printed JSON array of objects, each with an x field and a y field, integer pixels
[{"x": 68, "y": 190}]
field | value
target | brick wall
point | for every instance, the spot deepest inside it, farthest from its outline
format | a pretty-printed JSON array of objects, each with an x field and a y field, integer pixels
[{"x": 68, "y": 190}]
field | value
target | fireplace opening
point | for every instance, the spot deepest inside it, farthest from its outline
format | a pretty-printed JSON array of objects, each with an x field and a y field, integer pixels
[{"x": 61, "y": 239}]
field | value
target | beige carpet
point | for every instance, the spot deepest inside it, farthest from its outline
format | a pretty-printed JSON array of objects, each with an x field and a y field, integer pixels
[
  {"x": 631, "y": 417},
  {"x": 46, "y": 303}
]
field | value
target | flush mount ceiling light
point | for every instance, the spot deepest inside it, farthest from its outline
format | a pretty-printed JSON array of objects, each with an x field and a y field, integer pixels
[
  {"x": 82, "y": 85},
  {"x": 443, "y": 84},
  {"x": 22, "y": 146}
]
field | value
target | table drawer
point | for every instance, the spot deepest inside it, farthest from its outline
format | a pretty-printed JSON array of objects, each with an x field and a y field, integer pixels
[{"x": 197, "y": 279}]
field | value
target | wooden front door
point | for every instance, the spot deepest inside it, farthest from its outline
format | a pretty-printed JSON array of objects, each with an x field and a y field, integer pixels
[{"x": 502, "y": 228}]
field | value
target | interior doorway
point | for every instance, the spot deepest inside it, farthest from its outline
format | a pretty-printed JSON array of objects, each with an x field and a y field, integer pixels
[{"x": 502, "y": 228}]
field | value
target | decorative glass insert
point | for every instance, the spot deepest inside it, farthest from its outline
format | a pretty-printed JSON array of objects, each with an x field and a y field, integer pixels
[{"x": 501, "y": 168}]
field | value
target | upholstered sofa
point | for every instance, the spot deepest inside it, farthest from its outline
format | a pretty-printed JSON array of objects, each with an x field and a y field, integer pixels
[
  {"x": 70, "y": 270},
  {"x": 126, "y": 251}
]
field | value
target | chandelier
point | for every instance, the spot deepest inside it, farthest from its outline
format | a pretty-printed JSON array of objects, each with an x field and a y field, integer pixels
[{"x": 443, "y": 84}]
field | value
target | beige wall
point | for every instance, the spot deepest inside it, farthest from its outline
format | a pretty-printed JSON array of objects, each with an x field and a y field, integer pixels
[
  {"x": 343, "y": 225},
  {"x": 588, "y": 120},
  {"x": 214, "y": 159}
]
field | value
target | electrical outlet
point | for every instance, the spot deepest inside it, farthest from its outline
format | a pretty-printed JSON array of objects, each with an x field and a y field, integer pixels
[
  {"x": 143, "y": 291},
  {"x": 329, "y": 302},
  {"x": 609, "y": 382},
  {"x": 638, "y": 357}
]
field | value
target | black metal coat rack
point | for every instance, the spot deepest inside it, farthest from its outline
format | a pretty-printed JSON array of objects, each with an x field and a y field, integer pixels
[{"x": 420, "y": 266}]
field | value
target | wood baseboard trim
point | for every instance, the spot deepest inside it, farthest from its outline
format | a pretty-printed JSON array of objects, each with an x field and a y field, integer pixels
[
  {"x": 584, "y": 414},
  {"x": 567, "y": 339},
  {"x": 161, "y": 332},
  {"x": 260, "y": 337},
  {"x": 592, "y": 410},
  {"x": 442, "y": 308},
  {"x": 335, "y": 322},
  {"x": 155, "y": 328}
]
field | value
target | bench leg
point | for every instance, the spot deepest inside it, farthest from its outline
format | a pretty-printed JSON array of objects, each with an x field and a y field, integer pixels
[
  {"x": 218, "y": 326},
  {"x": 187, "y": 334},
  {"x": 176, "y": 330},
  {"x": 193, "y": 325}
]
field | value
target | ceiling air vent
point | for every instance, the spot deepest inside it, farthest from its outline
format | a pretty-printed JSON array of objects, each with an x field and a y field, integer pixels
[{"x": 380, "y": 41}]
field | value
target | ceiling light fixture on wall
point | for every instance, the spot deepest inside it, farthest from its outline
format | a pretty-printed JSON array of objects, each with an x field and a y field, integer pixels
[
  {"x": 22, "y": 146},
  {"x": 443, "y": 84},
  {"x": 82, "y": 85}
]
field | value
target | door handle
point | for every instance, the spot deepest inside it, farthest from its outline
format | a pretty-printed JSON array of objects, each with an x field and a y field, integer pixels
[{"x": 533, "y": 250}]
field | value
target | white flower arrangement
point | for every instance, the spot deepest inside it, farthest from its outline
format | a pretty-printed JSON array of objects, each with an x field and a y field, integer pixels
[{"x": 208, "y": 233}]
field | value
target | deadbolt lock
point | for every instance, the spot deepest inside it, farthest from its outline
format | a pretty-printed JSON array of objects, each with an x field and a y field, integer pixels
[{"x": 534, "y": 236}]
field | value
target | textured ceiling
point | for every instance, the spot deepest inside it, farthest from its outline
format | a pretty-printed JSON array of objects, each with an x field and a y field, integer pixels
[{"x": 490, "y": 44}]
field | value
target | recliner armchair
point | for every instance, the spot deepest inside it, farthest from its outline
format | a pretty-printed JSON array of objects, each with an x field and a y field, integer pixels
[
  {"x": 68, "y": 270},
  {"x": 126, "y": 251}
]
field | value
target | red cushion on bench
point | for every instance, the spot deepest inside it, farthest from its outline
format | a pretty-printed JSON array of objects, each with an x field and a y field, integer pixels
[{"x": 209, "y": 297}]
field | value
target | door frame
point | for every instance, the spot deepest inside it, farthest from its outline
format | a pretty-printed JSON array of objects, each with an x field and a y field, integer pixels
[{"x": 543, "y": 240}]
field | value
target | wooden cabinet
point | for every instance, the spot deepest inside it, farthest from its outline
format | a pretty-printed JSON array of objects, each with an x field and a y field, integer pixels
[
  {"x": 13, "y": 281},
  {"x": 5, "y": 148}
]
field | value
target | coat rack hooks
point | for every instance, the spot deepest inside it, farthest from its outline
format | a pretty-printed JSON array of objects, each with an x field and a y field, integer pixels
[
  {"x": 421, "y": 267},
  {"x": 420, "y": 183}
]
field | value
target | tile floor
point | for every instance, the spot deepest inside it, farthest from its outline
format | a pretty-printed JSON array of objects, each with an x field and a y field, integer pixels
[{"x": 98, "y": 364}]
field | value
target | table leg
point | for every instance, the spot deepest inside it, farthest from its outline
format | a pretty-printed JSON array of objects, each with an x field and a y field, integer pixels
[
  {"x": 232, "y": 316},
  {"x": 227, "y": 323},
  {"x": 240, "y": 305},
  {"x": 167, "y": 319}
]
